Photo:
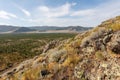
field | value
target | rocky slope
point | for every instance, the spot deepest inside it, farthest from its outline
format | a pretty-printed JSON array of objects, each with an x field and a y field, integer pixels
[{"x": 92, "y": 55}]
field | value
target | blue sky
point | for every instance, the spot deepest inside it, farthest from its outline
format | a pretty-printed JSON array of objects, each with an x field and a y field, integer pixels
[{"x": 57, "y": 12}]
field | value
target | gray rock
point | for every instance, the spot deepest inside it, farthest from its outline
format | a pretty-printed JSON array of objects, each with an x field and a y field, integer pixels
[
  {"x": 50, "y": 45},
  {"x": 107, "y": 38},
  {"x": 44, "y": 73},
  {"x": 114, "y": 44}
]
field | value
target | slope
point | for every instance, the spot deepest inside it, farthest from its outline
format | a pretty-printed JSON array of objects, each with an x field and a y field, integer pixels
[{"x": 92, "y": 55}]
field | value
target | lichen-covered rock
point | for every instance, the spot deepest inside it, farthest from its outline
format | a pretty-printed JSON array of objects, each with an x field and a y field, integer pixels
[
  {"x": 114, "y": 44},
  {"x": 56, "y": 56},
  {"x": 107, "y": 38},
  {"x": 50, "y": 45}
]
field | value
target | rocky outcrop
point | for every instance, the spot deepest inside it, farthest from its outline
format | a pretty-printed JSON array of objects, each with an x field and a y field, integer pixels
[{"x": 98, "y": 39}]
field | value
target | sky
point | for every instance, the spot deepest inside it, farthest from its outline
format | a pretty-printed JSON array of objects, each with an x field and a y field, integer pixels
[{"x": 87, "y": 13}]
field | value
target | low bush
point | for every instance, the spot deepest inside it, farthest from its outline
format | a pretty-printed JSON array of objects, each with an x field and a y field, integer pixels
[{"x": 99, "y": 55}]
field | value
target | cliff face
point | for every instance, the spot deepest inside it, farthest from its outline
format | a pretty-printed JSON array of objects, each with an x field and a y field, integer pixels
[{"x": 92, "y": 55}]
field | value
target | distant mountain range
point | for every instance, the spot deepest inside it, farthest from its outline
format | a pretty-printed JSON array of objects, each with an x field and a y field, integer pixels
[
  {"x": 41, "y": 29},
  {"x": 5, "y": 28}
]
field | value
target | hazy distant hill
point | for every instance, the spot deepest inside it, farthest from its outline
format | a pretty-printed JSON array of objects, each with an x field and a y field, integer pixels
[
  {"x": 24, "y": 29},
  {"x": 75, "y": 28},
  {"x": 14, "y": 29},
  {"x": 46, "y": 28},
  {"x": 5, "y": 28}
]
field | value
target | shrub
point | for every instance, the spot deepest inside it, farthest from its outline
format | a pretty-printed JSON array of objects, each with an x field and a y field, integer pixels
[
  {"x": 99, "y": 55},
  {"x": 56, "y": 55}
]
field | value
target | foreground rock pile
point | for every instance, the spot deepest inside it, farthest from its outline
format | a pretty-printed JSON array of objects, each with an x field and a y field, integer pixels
[{"x": 92, "y": 55}]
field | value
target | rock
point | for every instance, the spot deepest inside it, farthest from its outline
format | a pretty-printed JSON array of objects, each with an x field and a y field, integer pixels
[
  {"x": 107, "y": 39},
  {"x": 10, "y": 73},
  {"x": 93, "y": 39},
  {"x": 78, "y": 73},
  {"x": 55, "y": 56},
  {"x": 105, "y": 65},
  {"x": 114, "y": 44},
  {"x": 9, "y": 65},
  {"x": 49, "y": 46},
  {"x": 65, "y": 78},
  {"x": 85, "y": 42},
  {"x": 44, "y": 73}
]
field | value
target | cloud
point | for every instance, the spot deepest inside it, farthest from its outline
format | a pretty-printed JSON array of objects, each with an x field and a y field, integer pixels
[
  {"x": 94, "y": 16},
  {"x": 26, "y": 12},
  {"x": 83, "y": 12},
  {"x": 6, "y": 15},
  {"x": 43, "y": 8},
  {"x": 65, "y": 15},
  {"x": 55, "y": 12},
  {"x": 73, "y": 4}
]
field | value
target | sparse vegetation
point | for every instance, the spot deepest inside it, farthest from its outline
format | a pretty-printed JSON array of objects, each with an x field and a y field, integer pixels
[{"x": 15, "y": 48}]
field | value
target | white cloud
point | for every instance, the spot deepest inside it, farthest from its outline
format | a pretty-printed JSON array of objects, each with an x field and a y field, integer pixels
[
  {"x": 45, "y": 15},
  {"x": 95, "y": 16},
  {"x": 73, "y": 4},
  {"x": 55, "y": 12},
  {"x": 6, "y": 15},
  {"x": 83, "y": 12},
  {"x": 27, "y": 13},
  {"x": 43, "y": 8}
]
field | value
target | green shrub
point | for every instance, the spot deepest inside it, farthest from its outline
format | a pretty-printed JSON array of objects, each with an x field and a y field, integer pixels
[{"x": 99, "y": 55}]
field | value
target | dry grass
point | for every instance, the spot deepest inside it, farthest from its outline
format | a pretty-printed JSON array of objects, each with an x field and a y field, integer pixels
[
  {"x": 114, "y": 27},
  {"x": 32, "y": 74},
  {"x": 72, "y": 58}
]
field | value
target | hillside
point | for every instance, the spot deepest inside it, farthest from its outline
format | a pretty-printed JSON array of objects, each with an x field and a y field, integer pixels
[{"x": 91, "y": 55}]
